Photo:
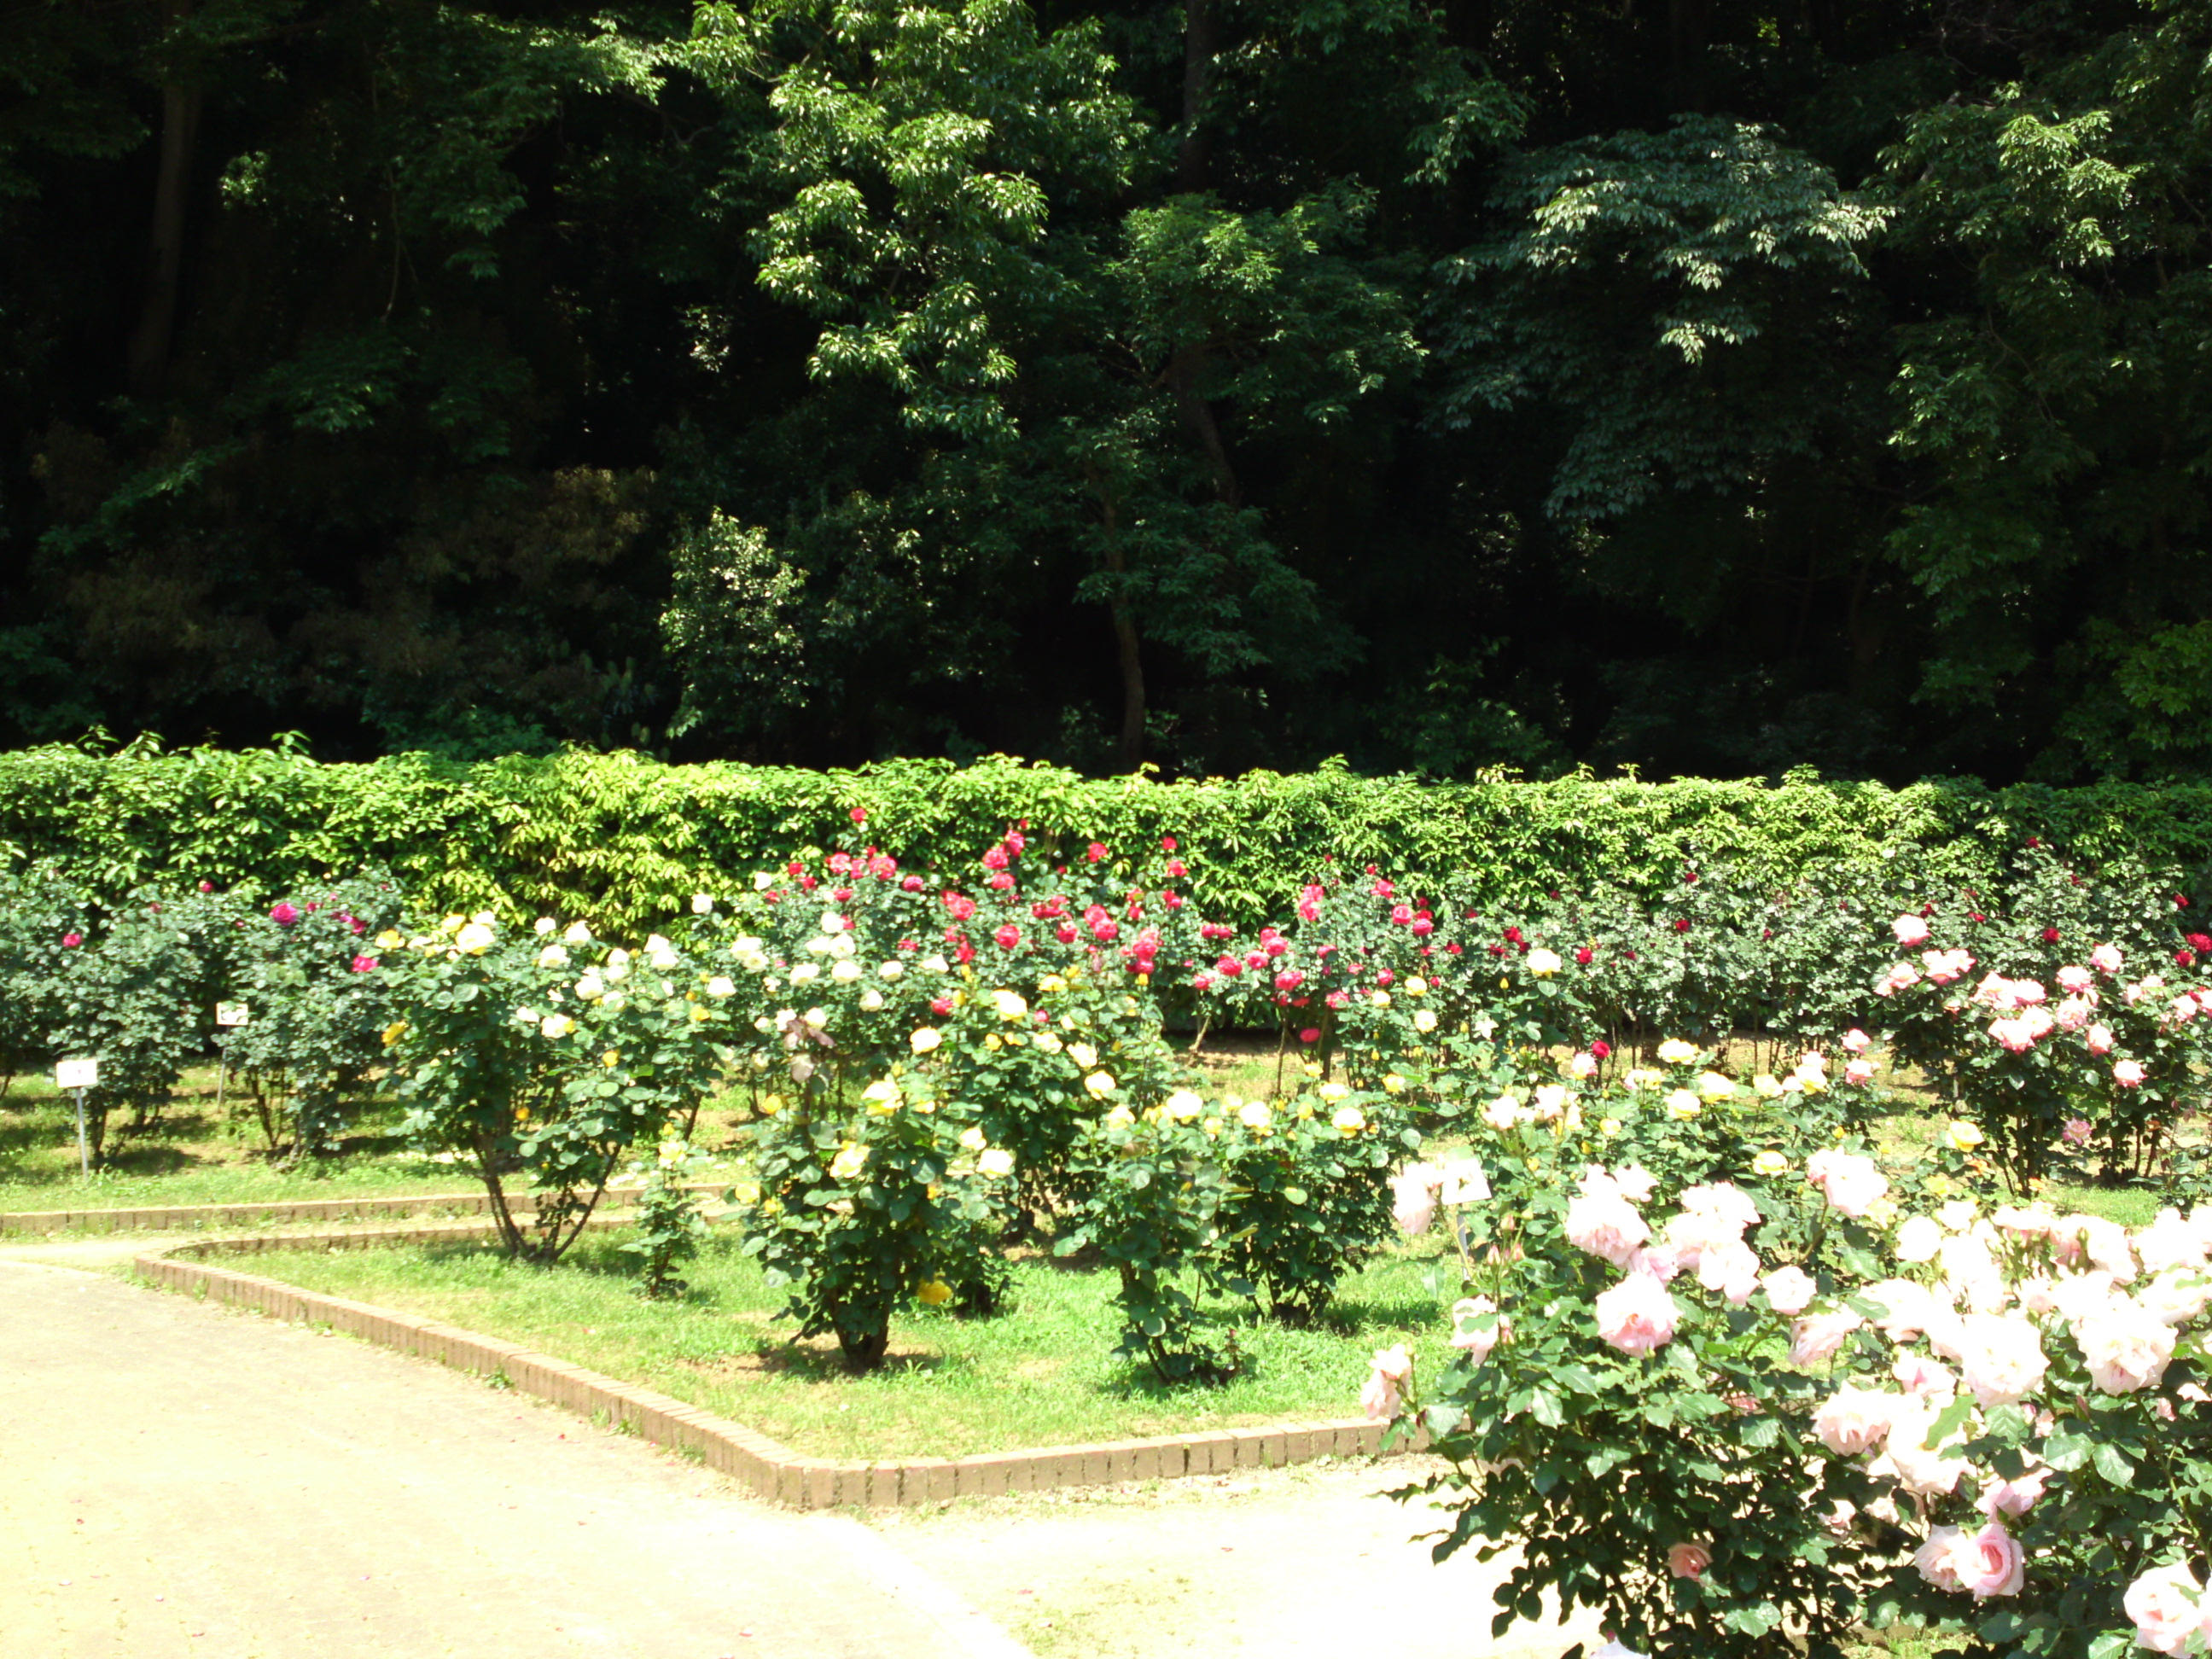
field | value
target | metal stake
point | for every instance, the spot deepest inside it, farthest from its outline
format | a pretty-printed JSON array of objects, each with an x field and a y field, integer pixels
[{"x": 83, "y": 1157}]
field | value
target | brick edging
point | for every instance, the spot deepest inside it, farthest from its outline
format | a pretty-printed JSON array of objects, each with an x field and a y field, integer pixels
[
  {"x": 766, "y": 1467},
  {"x": 305, "y": 1209}
]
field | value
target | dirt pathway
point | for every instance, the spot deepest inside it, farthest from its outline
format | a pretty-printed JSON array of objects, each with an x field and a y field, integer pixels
[{"x": 186, "y": 1480}]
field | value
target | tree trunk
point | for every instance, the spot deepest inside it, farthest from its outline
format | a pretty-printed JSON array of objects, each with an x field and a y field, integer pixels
[
  {"x": 157, "y": 322},
  {"x": 1200, "y": 41},
  {"x": 1127, "y": 651}
]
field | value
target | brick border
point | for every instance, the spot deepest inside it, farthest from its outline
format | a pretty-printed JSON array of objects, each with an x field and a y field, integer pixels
[
  {"x": 766, "y": 1467},
  {"x": 305, "y": 1209}
]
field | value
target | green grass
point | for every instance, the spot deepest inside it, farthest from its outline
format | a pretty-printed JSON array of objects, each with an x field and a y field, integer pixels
[
  {"x": 1041, "y": 1374},
  {"x": 194, "y": 1154}
]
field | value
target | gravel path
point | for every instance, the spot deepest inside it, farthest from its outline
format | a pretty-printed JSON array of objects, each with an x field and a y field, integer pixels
[{"x": 182, "y": 1479}]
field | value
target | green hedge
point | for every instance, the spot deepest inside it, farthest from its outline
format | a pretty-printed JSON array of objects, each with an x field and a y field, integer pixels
[{"x": 623, "y": 841}]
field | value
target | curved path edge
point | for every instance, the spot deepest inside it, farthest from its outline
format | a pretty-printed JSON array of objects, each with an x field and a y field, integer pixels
[{"x": 766, "y": 1467}]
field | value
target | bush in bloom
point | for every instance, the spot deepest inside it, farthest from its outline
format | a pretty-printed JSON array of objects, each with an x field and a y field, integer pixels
[{"x": 1779, "y": 1401}]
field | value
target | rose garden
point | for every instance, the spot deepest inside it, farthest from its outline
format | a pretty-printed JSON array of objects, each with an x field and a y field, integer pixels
[{"x": 1763, "y": 1266}]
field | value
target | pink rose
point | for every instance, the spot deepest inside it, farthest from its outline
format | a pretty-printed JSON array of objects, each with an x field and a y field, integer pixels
[
  {"x": 1379, "y": 1399},
  {"x": 1921, "y": 1469},
  {"x": 284, "y": 914},
  {"x": 2125, "y": 1346},
  {"x": 1637, "y": 1315},
  {"x": 1858, "y": 1071},
  {"x": 1851, "y": 1183},
  {"x": 1688, "y": 1560},
  {"x": 1910, "y": 931},
  {"x": 1929, "y": 1379},
  {"x": 2168, "y": 1606},
  {"x": 2105, "y": 958},
  {"x": 1637, "y": 1183},
  {"x": 2003, "y": 1362},
  {"x": 1935, "y": 1561},
  {"x": 1990, "y": 1562},
  {"x": 1606, "y": 1226},
  {"x": 2015, "y": 1497},
  {"x": 1732, "y": 1270},
  {"x": 1852, "y": 1421},
  {"x": 2075, "y": 980},
  {"x": 364, "y": 964},
  {"x": 1413, "y": 1197},
  {"x": 1815, "y": 1341},
  {"x": 2099, "y": 1039},
  {"x": 1789, "y": 1291},
  {"x": 1856, "y": 1042},
  {"x": 1473, "y": 1333},
  {"x": 2127, "y": 1074}
]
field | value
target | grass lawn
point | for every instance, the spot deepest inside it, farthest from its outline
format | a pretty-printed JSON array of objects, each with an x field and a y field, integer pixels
[
  {"x": 196, "y": 1155},
  {"x": 1042, "y": 1374}
]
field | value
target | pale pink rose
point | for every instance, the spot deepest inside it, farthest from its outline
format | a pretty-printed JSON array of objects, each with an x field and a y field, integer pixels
[
  {"x": 2038, "y": 1293},
  {"x": 1946, "y": 966},
  {"x": 1413, "y": 1197},
  {"x": 2028, "y": 993},
  {"x": 2074, "y": 1014},
  {"x": 1971, "y": 1273},
  {"x": 1635, "y": 1183},
  {"x": 1851, "y": 1183},
  {"x": 1856, "y": 1042},
  {"x": 2025, "y": 1223},
  {"x": 1594, "y": 1182},
  {"x": 1379, "y": 1399},
  {"x": 2176, "y": 1297},
  {"x": 2127, "y": 1074},
  {"x": 1637, "y": 1316},
  {"x": 2038, "y": 1021},
  {"x": 1995, "y": 992},
  {"x": 2076, "y": 1132},
  {"x": 2162, "y": 1409},
  {"x": 1814, "y": 1341},
  {"x": 2126, "y": 1346},
  {"x": 1472, "y": 1334},
  {"x": 2015, "y": 1497},
  {"x": 1688, "y": 1560},
  {"x": 1908, "y": 1307},
  {"x": 1910, "y": 931},
  {"x": 2183, "y": 1009},
  {"x": 1918, "y": 1239},
  {"x": 2075, "y": 981},
  {"x": 1858, "y": 1073},
  {"x": 2142, "y": 989},
  {"x": 1605, "y": 1226},
  {"x": 2014, "y": 1036},
  {"x": 1657, "y": 1262},
  {"x": 1732, "y": 1270},
  {"x": 1853, "y": 1421},
  {"x": 2167, "y": 1607},
  {"x": 1903, "y": 976},
  {"x": 1921, "y": 1469},
  {"x": 2169, "y": 1241},
  {"x": 2105, "y": 958},
  {"x": 2099, "y": 1039},
  {"x": 1789, "y": 1291},
  {"x": 2107, "y": 1244},
  {"x": 1931, "y": 1379},
  {"x": 1583, "y": 1066},
  {"x": 1990, "y": 1562},
  {"x": 2002, "y": 1360},
  {"x": 1933, "y": 1560},
  {"x": 2082, "y": 1296},
  {"x": 1725, "y": 1201}
]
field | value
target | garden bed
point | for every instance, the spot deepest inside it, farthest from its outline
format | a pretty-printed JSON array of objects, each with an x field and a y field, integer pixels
[{"x": 1044, "y": 1373}]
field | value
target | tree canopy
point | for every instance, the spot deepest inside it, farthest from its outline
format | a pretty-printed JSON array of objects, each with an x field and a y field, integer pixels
[{"x": 1697, "y": 385}]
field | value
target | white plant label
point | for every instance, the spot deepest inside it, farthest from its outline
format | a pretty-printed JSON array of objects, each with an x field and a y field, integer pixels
[
  {"x": 77, "y": 1075},
  {"x": 230, "y": 1013}
]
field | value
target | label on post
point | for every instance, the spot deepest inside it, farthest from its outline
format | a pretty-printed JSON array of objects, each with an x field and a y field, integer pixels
[
  {"x": 77, "y": 1075},
  {"x": 230, "y": 1013}
]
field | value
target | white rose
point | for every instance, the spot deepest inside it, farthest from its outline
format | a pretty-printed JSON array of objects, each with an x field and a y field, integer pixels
[
  {"x": 844, "y": 971},
  {"x": 891, "y": 970},
  {"x": 719, "y": 986},
  {"x": 702, "y": 904}
]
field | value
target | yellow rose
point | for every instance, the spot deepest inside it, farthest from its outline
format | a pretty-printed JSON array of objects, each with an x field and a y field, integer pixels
[
  {"x": 1417, "y": 986},
  {"x": 1051, "y": 985},
  {"x": 1713, "y": 1086},
  {"x": 974, "y": 1139},
  {"x": 394, "y": 1031},
  {"x": 1766, "y": 1085},
  {"x": 994, "y": 1042},
  {"x": 1675, "y": 1052},
  {"x": 1255, "y": 1114},
  {"x": 1963, "y": 1136},
  {"x": 1010, "y": 1005},
  {"x": 1182, "y": 1105},
  {"x": 925, "y": 1039},
  {"x": 612, "y": 1059},
  {"x": 933, "y": 1293},
  {"x": 771, "y": 1104},
  {"x": 475, "y": 938},
  {"x": 1120, "y": 1118},
  {"x": 1082, "y": 1055},
  {"x": 1099, "y": 1084},
  {"x": 1380, "y": 998},
  {"x": 1349, "y": 1120},
  {"x": 1769, "y": 1163},
  {"x": 848, "y": 1163},
  {"x": 996, "y": 1162},
  {"x": 1682, "y": 1105},
  {"x": 390, "y": 939},
  {"x": 1393, "y": 1084},
  {"x": 1424, "y": 1021},
  {"x": 1332, "y": 1091},
  {"x": 882, "y": 1097}
]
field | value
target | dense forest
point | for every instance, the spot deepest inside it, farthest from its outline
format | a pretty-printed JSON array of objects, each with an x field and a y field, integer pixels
[{"x": 1697, "y": 385}]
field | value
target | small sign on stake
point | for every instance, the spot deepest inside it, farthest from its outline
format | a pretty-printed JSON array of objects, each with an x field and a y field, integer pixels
[
  {"x": 231, "y": 1013},
  {"x": 77, "y": 1074}
]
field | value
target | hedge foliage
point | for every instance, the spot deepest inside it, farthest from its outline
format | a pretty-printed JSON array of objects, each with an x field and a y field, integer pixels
[{"x": 624, "y": 841}]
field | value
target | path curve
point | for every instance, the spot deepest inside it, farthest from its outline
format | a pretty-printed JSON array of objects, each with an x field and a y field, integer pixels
[{"x": 187, "y": 1482}]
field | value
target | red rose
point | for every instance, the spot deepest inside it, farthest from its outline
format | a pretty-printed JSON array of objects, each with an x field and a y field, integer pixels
[
  {"x": 1008, "y": 936},
  {"x": 1096, "y": 852},
  {"x": 1000, "y": 882},
  {"x": 1681, "y": 924},
  {"x": 860, "y": 815},
  {"x": 1201, "y": 982},
  {"x": 1228, "y": 967},
  {"x": 1601, "y": 1049},
  {"x": 940, "y": 1006},
  {"x": 2050, "y": 936},
  {"x": 1065, "y": 932},
  {"x": 70, "y": 941},
  {"x": 912, "y": 884},
  {"x": 364, "y": 964},
  {"x": 1423, "y": 927},
  {"x": 995, "y": 859},
  {"x": 1402, "y": 913},
  {"x": 1167, "y": 843},
  {"x": 1584, "y": 955},
  {"x": 1310, "y": 1035},
  {"x": 1289, "y": 979},
  {"x": 283, "y": 915},
  {"x": 207, "y": 887}
]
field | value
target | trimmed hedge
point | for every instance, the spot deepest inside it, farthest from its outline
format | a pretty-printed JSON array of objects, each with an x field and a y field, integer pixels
[{"x": 623, "y": 841}]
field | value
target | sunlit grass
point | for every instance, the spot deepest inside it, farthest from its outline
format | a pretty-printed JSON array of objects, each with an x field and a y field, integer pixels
[{"x": 1041, "y": 1374}]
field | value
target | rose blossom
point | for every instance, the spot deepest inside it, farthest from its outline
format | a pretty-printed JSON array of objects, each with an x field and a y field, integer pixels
[
  {"x": 1637, "y": 1183},
  {"x": 1933, "y": 1560},
  {"x": 1918, "y": 1239},
  {"x": 2015, "y": 1497},
  {"x": 2167, "y": 1607},
  {"x": 2099, "y": 1039},
  {"x": 1477, "y": 1341},
  {"x": 1921, "y": 1470},
  {"x": 2170, "y": 1241},
  {"x": 1413, "y": 1197},
  {"x": 1789, "y": 1291},
  {"x": 1945, "y": 966},
  {"x": 1606, "y": 1225},
  {"x": 2075, "y": 980},
  {"x": 1850, "y": 1183},
  {"x": 2105, "y": 958},
  {"x": 1931, "y": 1379},
  {"x": 1852, "y": 1421},
  {"x": 1856, "y": 1042},
  {"x": 2125, "y": 1346},
  {"x": 2074, "y": 1013},
  {"x": 2128, "y": 1074},
  {"x": 1730, "y": 1269},
  {"x": 1637, "y": 1316},
  {"x": 1910, "y": 931},
  {"x": 1908, "y": 1309},
  {"x": 1816, "y": 1341},
  {"x": 1379, "y": 1399},
  {"x": 2002, "y": 1360},
  {"x": 1688, "y": 1560},
  {"x": 1990, "y": 1562}
]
